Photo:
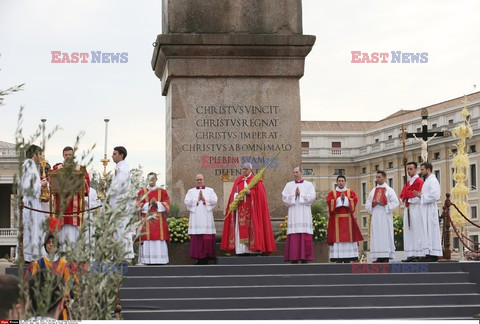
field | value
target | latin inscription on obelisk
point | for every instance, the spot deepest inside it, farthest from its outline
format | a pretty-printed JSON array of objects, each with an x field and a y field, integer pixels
[{"x": 232, "y": 89}]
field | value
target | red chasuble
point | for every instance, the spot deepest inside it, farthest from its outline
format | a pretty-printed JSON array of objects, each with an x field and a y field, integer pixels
[
  {"x": 342, "y": 225},
  {"x": 155, "y": 229},
  {"x": 73, "y": 214},
  {"x": 407, "y": 191},
  {"x": 254, "y": 224}
]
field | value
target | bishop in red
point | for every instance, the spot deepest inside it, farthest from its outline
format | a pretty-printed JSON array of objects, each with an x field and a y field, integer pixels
[{"x": 248, "y": 229}]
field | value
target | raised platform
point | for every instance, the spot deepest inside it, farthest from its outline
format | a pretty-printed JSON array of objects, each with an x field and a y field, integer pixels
[
  {"x": 300, "y": 291},
  {"x": 179, "y": 254},
  {"x": 251, "y": 259}
]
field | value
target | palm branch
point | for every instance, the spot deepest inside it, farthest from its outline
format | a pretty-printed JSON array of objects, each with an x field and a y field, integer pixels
[{"x": 252, "y": 184}]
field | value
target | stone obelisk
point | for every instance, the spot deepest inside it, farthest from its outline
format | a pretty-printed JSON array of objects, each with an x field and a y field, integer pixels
[{"x": 230, "y": 72}]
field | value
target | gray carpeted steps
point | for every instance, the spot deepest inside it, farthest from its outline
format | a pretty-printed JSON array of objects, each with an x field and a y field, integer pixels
[{"x": 299, "y": 291}]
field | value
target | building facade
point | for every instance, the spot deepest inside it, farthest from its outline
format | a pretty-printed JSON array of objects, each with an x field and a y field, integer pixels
[
  {"x": 8, "y": 168},
  {"x": 357, "y": 149}
]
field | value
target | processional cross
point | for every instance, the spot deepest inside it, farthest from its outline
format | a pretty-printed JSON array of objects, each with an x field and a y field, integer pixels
[{"x": 423, "y": 137}]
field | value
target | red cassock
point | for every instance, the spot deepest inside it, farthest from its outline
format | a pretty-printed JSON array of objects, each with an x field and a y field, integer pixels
[
  {"x": 73, "y": 214},
  {"x": 407, "y": 191},
  {"x": 155, "y": 229},
  {"x": 255, "y": 227},
  {"x": 342, "y": 225}
]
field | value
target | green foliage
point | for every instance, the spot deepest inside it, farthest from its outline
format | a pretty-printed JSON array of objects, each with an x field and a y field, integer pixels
[
  {"x": 281, "y": 235},
  {"x": 95, "y": 178},
  {"x": 320, "y": 225},
  {"x": 8, "y": 91},
  {"x": 178, "y": 228},
  {"x": 320, "y": 205},
  {"x": 398, "y": 229},
  {"x": 175, "y": 210},
  {"x": 95, "y": 292}
]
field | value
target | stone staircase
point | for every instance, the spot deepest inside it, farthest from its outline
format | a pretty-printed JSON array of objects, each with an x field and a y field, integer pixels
[{"x": 253, "y": 288}]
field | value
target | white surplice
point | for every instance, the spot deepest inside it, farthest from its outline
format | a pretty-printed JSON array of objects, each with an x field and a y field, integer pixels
[
  {"x": 382, "y": 244},
  {"x": 153, "y": 252},
  {"x": 430, "y": 196},
  {"x": 413, "y": 235},
  {"x": 201, "y": 215},
  {"x": 299, "y": 209},
  {"x": 118, "y": 198},
  {"x": 33, "y": 222},
  {"x": 91, "y": 201},
  {"x": 68, "y": 235}
]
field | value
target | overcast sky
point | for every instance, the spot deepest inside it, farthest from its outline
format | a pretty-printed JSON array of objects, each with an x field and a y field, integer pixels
[{"x": 78, "y": 97}]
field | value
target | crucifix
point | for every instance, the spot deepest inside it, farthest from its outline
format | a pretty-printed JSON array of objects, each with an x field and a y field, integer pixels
[{"x": 424, "y": 136}]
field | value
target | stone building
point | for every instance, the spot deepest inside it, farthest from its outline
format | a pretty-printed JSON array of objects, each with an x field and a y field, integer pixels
[
  {"x": 358, "y": 148},
  {"x": 8, "y": 168}
]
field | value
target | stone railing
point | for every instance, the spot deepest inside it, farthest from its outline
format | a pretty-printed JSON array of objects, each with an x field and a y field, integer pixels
[
  {"x": 8, "y": 153},
  {"x": 8, "y": 236},
  {"x": 377, "y": 147},
  {"x": 329, "y": 152}
]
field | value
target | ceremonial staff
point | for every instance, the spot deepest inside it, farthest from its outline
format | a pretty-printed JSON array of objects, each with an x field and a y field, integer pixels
[
  {"x": 45, "y": 196},
  {"x": 405, "y": 170},
  {"x": 101, "y": 191}
]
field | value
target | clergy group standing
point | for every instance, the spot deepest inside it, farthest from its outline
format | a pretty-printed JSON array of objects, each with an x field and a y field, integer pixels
[
  {"x": 247, "y": 227},
  {"x": 299, "y": 195},
  {"x": 200, "y": 202}
]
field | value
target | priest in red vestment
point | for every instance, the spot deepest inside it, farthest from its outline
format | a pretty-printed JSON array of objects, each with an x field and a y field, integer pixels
[
  {"x": 248, "y": 229},
  {"x": 155, "y": 235},
  {"x": 343, "y": 232},
  {"x": 72, "y": 217}
]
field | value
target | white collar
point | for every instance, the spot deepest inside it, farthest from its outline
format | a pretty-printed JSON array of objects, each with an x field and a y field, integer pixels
[
  {"x": 151, "y": 188},
  {"x": 384, "y": 185},
  {"x": 341, "y": 190}
]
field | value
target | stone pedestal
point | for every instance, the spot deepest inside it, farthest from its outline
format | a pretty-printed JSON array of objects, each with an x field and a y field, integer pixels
[{"x": 230, "y": 72}]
